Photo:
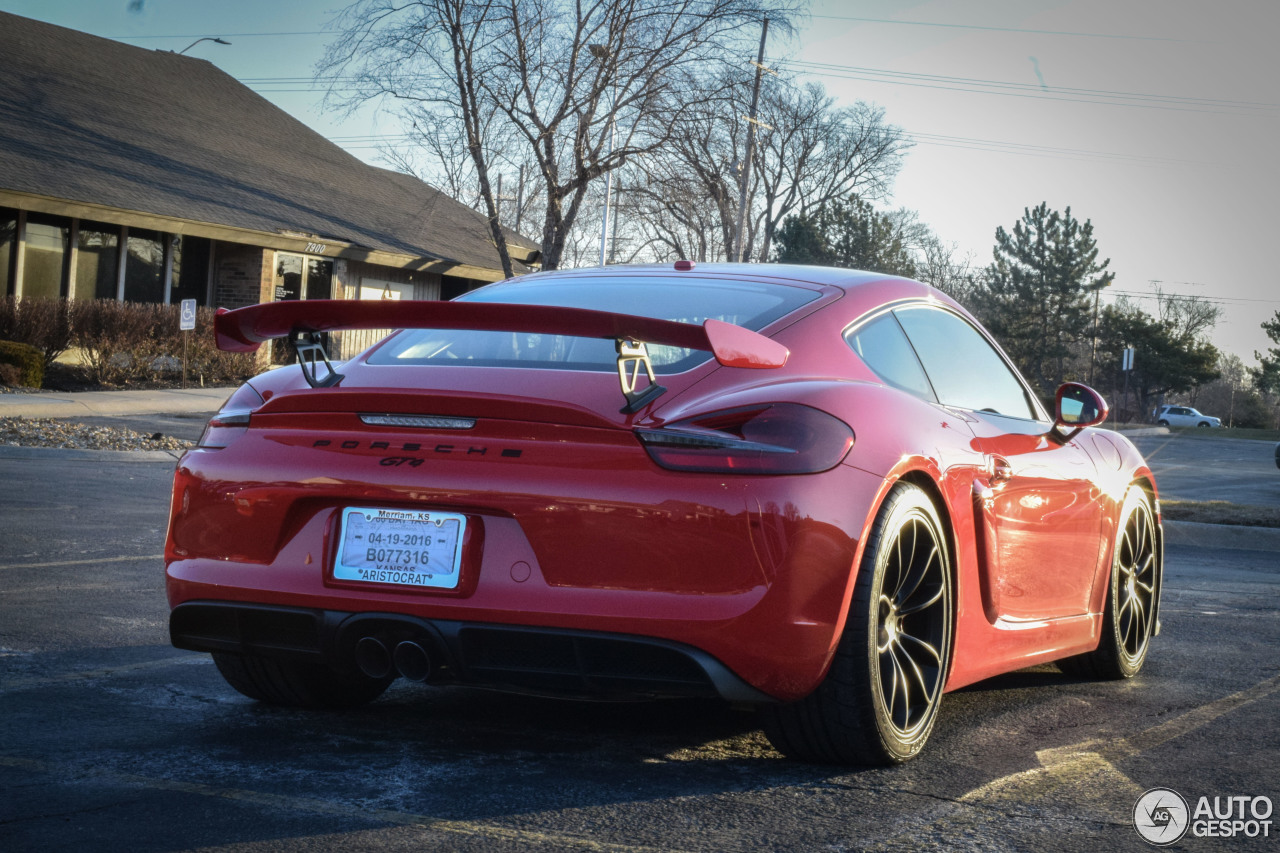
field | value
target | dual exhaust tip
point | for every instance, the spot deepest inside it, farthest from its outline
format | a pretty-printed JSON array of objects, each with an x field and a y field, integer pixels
[{"x": 409, "y": 658}]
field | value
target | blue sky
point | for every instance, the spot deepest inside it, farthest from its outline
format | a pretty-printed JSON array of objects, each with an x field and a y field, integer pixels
[{"x": 1156, "y": 119}]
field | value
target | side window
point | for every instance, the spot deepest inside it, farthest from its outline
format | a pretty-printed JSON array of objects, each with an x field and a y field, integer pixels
[
  {"x": 884, "y": 348},
  {"x": 965, "y": 371}
]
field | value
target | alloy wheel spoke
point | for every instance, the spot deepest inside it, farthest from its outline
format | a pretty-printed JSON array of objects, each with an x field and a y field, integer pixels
[
  {"x": 917, "y": 577},
  {"x": 900, "y": 686},
  {"x": 1140, "y": 623},
  {"x": 1148, "y": 565},
  {"x": 914, "y": 669},
  {"x": 929, "y": 602},
  {"x": 930, "y": 691}
]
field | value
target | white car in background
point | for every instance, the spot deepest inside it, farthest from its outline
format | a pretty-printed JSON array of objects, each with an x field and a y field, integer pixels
[{"x": 1184, "y": 416}]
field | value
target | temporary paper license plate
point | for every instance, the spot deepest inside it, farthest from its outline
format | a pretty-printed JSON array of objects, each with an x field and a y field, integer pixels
[{"x": 409, "y": 547}]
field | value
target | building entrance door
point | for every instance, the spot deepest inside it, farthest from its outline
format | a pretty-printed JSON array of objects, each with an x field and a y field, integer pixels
[{"x": 299, "y": 277}]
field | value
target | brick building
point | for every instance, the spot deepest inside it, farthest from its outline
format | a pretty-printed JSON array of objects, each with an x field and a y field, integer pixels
[{"x": 147, "y": 176}]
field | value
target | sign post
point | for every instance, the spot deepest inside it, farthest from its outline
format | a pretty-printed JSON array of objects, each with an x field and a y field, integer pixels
[
  {"x": 1126, "y": 364},
  {"x": 186, "y": 323}
]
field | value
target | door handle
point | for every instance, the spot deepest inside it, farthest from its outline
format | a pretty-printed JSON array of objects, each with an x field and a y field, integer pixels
[{"x": 999, "y": 469}]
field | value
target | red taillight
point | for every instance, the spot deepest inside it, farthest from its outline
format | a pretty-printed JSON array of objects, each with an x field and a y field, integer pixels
[
  {"x": 232, "y": 420},
  {"x": 778, "y": 438}
]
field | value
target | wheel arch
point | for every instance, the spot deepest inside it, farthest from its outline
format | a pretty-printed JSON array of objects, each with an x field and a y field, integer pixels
[
  {"x": 1147, "y": 484},
  {"x": 920, "y": 476},
  {"x": 927, "y": 484}
]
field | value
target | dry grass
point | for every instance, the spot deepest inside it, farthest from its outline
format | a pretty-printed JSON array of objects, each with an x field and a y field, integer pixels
[{"x": 1220, "y": 512}]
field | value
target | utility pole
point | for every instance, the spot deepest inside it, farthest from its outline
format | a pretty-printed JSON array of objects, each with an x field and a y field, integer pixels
[
  {"x": 737, "y": 253},
  {"x": 602, "y": 53},
  {"x": 1093, "y": 349},
  {"x": 520, "y": 202}
]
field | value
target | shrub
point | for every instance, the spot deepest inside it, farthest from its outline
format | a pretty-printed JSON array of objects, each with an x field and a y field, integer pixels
[
  {"x": 42, "y": 323},
  {"x": 27, "y": 360},
  {"x": 124, "y": 342},
  {"x": 10, "y": 375},
  {"x": 113, "y": 338}
]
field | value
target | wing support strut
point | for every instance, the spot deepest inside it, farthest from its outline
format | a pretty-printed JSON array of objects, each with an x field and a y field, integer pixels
[
  {"x": 633, "y": 357},
  {"x": 309, "y": 347}
]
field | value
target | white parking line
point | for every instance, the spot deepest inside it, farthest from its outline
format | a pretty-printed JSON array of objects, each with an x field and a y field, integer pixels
[
  {"x": 94, "y": 562},
  {"x": 1080, "y": 774}
]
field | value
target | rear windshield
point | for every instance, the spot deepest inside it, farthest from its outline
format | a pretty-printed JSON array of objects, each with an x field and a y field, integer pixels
[{"x": 688, "y": 300}]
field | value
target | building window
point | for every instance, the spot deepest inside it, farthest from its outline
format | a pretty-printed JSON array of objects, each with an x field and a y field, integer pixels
[
  {"x": 8, "y": 235},
  {"x": 44, "y": 263},
  {"x": 97, "y": 261},
  {"x": 144, "y": 267},
  {"x": 319, "y": 278},
  {"x": 298, "y": 277},
  {"x": 191, "y": 256}
]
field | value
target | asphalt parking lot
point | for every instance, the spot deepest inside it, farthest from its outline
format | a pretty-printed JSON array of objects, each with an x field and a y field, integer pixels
[{"x": 111, "y": 739}]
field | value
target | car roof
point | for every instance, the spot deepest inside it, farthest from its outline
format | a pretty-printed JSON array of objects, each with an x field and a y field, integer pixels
[{"x": 793, "y": 274}]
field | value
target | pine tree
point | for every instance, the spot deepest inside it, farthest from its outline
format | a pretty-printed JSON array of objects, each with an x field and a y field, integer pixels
[
  {"x": 853, "y": 236},
  {"x": 1036, "y": 297}
]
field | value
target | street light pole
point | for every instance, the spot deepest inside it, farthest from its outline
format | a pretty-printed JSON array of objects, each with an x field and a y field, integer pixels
[{"x": 197, "y": 41}]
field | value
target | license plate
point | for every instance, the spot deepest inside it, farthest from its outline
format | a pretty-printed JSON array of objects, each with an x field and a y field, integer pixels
[{"x": 406, "y": 547}]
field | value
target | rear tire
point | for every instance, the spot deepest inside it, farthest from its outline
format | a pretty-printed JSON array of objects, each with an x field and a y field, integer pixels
[
  {"x": 297, "y": 684},
  {"x": 878, "y": 702},
  {"x": 1132, "y": 594}
]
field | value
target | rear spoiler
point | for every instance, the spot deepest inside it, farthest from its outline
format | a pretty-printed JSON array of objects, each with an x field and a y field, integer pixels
[{"x": 244, "y": 329}]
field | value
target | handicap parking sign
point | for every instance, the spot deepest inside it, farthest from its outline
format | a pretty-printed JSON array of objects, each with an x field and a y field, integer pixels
[{"x": 187, "y": 319}]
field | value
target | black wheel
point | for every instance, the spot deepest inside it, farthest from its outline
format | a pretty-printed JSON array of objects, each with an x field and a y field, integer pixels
[
  {"x": 297, "y": 684},
  {"x": 1129, "y": 618},
  {"x": 878, "y": 703},
  {"x": 1162, "y": 422},
  {"x": 1203, "y": 424}
]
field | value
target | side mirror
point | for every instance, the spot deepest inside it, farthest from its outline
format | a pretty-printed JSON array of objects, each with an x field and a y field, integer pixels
[{"x": 1078, "y": 406}]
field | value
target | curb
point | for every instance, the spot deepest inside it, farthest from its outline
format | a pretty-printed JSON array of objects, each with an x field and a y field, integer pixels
[
  {"x": 71, "y": 404},
  {"x": 13, "y": 451},
  {"x": 1228, "y": 536}
]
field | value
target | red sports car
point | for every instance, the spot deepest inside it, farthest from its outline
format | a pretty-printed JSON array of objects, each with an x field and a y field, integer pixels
[{"x": 822, "y": 492}]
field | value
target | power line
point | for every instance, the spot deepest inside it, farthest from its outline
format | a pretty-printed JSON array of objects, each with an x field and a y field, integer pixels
[
  {"x": 1027, "y": 90},
  {"x": 1213, "y": 300},
  {"x": 1056, "y": 152},
  {"x": 1002, "y": 29},
  {"x": 228, "y": 35}
]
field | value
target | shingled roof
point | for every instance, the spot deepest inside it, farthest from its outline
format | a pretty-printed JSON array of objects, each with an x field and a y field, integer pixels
[{"x": 103, "y": 127}]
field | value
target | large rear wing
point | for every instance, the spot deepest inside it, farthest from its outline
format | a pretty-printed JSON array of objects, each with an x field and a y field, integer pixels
[{"x": 244, "y": 329}]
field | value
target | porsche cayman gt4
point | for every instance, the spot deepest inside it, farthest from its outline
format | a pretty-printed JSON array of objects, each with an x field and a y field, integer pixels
[{"x": 821, "y": 492}]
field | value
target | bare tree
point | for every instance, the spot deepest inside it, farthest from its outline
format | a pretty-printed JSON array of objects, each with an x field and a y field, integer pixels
[
  {"x": 574, "y": 89},
  {"x": 943, "y": 266},
  {"x": 816, "y": 154},
  {"x": 1189, "y": 317},
  {"x": 809, "y": 153}
]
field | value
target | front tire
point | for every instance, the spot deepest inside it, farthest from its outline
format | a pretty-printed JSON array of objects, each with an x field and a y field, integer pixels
[
  {"x": 297, "y": 684},
  {"x": 1132, "y": 595},
  {"x": 879, "y": 701}
]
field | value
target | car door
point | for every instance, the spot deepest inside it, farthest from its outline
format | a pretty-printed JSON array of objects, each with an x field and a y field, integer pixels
[{"x": 1037, "y": 501}]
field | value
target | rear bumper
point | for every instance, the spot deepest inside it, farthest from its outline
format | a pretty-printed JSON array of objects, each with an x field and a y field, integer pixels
[
  {"x": 751, "y": 572},
  {"x": 543, "y": 661}
]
